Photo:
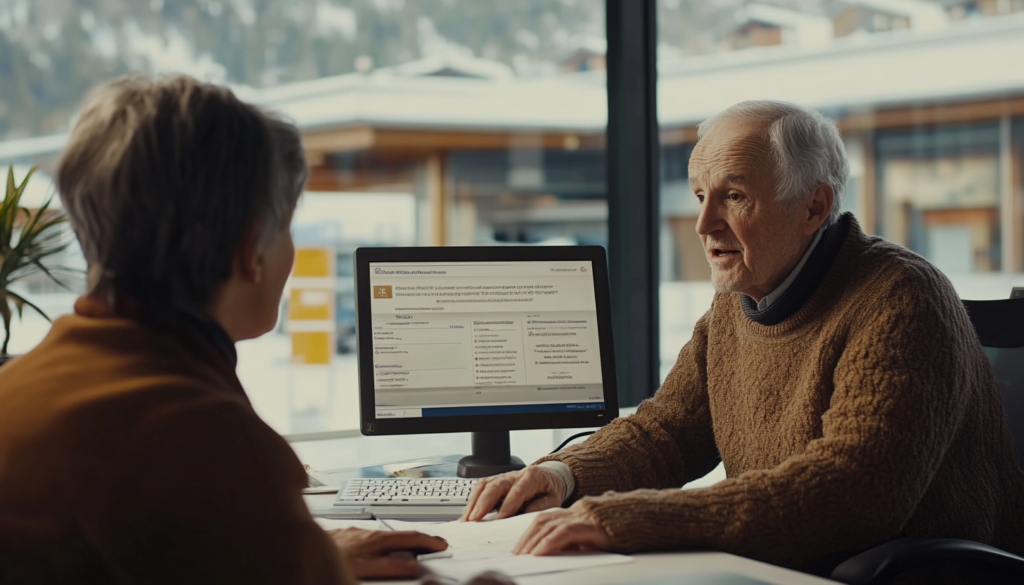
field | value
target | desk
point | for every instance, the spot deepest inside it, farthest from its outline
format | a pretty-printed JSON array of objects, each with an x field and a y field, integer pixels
[{"x": 647, "y": 566}]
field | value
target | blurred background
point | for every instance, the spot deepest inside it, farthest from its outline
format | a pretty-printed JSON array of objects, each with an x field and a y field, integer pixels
[{"x": 482, "y": 122}]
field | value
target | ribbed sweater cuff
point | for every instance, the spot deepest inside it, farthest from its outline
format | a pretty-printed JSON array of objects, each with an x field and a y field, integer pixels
[
  {"x": 644, "y": 520},
  {"x": 594, "y": 475}
]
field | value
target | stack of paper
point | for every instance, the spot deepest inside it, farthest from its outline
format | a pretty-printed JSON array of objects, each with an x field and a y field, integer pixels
[{"x": 487, "y": 546}]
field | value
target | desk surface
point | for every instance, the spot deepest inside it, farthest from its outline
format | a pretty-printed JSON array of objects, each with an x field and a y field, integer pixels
[
  {"x": 652, "y": 566},
  {"x": 649, "y": 566}
]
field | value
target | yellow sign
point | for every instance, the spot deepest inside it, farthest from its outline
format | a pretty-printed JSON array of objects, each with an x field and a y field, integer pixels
[
  {"x": 311, "y": 305},
  {"x": 311, "y": 347},
  {"x": 314, "y": 262}
]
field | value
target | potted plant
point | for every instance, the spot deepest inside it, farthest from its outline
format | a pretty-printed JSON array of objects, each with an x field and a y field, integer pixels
[{"x": 29, "y": 239}]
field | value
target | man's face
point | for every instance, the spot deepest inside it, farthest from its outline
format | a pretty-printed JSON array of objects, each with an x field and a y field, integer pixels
[{"x": 751, "y": 240}]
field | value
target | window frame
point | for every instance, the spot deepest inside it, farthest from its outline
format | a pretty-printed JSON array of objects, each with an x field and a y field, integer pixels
[{"x": 633, "y": 194}]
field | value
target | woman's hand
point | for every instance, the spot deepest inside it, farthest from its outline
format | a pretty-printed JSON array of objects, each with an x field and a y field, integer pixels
[{"x": 383, "y": 553}]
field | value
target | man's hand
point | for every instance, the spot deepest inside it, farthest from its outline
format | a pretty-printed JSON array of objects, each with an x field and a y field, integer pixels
[
  {"x": 536, "y": 487},
  {"x": 382, "y": 553},
  {"x": 561, "y": 530}
]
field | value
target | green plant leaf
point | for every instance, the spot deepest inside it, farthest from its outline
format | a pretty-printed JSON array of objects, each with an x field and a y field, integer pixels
[
  {"x": 39, "y": 238},
  {"x": 47, "y": 272},
  {"x": 5, "y": 314},
  {"x": 12, "y": 200},
  {"x": 8, "y": 211},
  {"x": 18, "y": 305},
  {"x": 18, "y": 298}
]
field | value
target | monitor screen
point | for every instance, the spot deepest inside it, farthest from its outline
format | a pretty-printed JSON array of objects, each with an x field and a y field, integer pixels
[{"x": 486, "y": 337}]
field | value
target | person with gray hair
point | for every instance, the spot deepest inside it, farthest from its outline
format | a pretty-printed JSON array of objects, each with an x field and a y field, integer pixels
[
  {"x": 836, "y": 376},
  {"x": 129, "y": 451}
]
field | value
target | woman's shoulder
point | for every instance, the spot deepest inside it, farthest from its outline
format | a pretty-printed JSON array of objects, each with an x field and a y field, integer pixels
[{"x": 102, "y": 377}]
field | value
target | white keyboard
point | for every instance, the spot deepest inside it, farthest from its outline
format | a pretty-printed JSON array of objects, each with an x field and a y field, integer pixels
[{"x": 400, "y": 491}]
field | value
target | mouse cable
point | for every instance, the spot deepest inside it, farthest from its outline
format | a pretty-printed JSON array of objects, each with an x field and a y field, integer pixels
[{"x": 566, "y": 442}]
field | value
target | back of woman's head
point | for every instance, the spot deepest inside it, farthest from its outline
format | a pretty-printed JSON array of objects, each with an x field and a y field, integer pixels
[{"x": 163, "y": 179}]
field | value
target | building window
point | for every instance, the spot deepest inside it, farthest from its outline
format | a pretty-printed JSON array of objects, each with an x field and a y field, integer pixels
[{"x": 940, "y": 194}]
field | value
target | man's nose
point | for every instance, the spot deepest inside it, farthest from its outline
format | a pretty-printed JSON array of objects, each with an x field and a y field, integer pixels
[{"x": 709, "y": 221}]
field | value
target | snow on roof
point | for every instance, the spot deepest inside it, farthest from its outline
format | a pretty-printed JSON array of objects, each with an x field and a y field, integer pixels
[
  {"x": 961, "y": 62},
  {"x": 30, "y": 149},
  {"x": 576, "y": 102},
  {"x": 808, "y": 29},
  {"x": 964, "y": 61},
  {"x": 588, "y": 44},
  {"x": 774, "y": 15},
  {"x": 452, "y": 65}
]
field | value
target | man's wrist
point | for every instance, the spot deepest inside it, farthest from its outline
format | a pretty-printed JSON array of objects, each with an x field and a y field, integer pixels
[{"x": 563, "y": 471}]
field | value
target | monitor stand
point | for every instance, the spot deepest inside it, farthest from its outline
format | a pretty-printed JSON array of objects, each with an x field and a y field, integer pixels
[{"x": 491, "y": 455}]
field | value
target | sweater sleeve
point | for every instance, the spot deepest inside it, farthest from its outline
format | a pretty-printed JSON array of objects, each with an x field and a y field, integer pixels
[
  {"x": 899, "y": 394},
  {"x": 668, "y": 442},
  {"x": 205, "y": 492}
]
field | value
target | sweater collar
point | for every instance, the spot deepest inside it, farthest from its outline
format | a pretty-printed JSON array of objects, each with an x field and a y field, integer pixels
[
  {"x": 773, "y": 296},
  {"x": 806, "y": 281}
]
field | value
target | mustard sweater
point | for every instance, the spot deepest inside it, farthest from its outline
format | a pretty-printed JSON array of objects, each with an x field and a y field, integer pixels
[
  {"x": 868, "y": 414},
  {"x": 130, "y": 455}
]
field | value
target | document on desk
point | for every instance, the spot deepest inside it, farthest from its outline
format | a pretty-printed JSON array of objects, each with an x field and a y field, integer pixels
[
  {"x": 487, "y": 545},
  {"x": 332, "y": 524},
  {"x": 522, "y": 565},
  {"x": 474, "y": 539}
]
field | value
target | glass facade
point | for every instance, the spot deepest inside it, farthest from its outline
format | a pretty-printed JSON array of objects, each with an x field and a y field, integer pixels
[
  {"x": 932, "y": 127},
  {"x": 479, "y": 122},
  {"x": 428, "y": 123}
]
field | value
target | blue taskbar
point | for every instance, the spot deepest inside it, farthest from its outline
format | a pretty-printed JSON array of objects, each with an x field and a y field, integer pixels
[{"x": 512, "y": 409}]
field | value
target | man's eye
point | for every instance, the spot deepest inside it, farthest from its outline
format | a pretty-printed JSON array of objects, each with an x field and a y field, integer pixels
[
  {"x": 735, "y": 196},
  {"x": 700, "y": 198}
]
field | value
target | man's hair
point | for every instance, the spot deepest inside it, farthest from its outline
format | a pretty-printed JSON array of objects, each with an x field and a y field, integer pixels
[
  {"x": 806, "y": 145},
  {"x": 164, "y": 178}
]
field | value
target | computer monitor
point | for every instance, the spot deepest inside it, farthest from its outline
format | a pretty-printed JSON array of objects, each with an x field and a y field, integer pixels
[{"x": 484, "y": 340}]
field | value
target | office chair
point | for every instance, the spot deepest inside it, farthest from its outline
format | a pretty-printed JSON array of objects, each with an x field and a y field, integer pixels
[{"x": 1000, "y": 328}]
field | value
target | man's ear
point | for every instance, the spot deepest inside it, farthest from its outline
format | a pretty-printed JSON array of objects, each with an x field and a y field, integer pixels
[
  {"x": 249, "y": 259},
  {"x": 819, "y": 206}
]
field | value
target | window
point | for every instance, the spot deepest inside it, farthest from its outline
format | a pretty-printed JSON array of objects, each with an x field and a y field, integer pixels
[
  {"x": 941, "y": 195},
  {"x": 435, "y": 122},
  {"x": 932, "y": 125}
]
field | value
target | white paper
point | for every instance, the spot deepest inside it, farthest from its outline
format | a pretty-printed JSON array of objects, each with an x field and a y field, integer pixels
[
  {"x": 333, "y": 524},
  {"x": 487, "y": 546},
  {"x": 521, "y": 565},
  {"x": 475, "y": 539}
]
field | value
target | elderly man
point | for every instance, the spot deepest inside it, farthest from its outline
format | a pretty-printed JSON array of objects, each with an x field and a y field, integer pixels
[{"x": 836, "y": 376}]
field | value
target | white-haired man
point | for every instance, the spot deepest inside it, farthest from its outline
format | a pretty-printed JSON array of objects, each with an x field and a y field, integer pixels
[{"x": 836, "y": 376}]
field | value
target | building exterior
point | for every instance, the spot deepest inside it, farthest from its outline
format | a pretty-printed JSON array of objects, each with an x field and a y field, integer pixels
[
  {"x": 763, "y": 25},
  {"x": 961, "y": 9},
  {"x": 874, "y": 16},
  {"x": 933, "y": 119}
]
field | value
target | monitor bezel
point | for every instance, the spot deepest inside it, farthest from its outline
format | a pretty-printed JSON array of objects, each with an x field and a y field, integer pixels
[{"x": 370, "y": 425}]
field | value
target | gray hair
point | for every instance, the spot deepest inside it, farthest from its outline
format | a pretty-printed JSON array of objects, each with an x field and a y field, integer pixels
[
  {"x": 807, "y": 147},
  {"x": 164, "y": 178}
]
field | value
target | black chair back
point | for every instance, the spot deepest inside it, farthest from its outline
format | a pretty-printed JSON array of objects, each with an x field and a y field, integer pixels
[{"x": 1000, "y": 328}]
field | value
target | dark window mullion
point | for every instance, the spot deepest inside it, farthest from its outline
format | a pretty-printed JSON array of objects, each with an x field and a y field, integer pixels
[{"x": 633, "y": 182}]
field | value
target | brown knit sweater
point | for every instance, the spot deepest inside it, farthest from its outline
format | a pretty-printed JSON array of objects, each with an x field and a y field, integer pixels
[
  {"x": 870, "y": 413},
  {"x": 128, "y": 455}
]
